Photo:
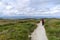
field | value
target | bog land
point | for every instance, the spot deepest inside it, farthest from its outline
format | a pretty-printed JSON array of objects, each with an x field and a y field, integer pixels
[{"x": 22, "y": 28}]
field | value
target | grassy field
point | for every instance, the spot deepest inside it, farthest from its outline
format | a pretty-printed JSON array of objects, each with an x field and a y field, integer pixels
[
  {"x": 17, "y": 29},
  {"x": 20, "y": 29},
  {"x": 53, "y": 28}
]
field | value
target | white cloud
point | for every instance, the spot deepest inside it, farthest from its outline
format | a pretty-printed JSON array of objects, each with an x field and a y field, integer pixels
[
  {"x": 55, "y": 9},
  {"x": 1, "y": 3},
  {"x": 21, "y": 7},
  {"x": 14, "y": 8},
  {"x": 9, "y": 7}
]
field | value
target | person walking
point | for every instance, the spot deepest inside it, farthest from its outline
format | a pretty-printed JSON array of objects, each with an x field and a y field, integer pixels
[{"x": 42, "y": 21}]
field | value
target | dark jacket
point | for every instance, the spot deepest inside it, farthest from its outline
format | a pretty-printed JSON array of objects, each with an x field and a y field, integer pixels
[{"x": 42, "y": 21}]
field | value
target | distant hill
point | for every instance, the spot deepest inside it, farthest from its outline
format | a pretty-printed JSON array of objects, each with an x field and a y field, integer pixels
[{"x": 24, "y": 17}]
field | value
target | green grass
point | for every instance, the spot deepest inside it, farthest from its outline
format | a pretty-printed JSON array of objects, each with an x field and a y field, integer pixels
[
  {"x": 17, "y": 29},
  {"x": 20, "y": 29},
  {"x": 52, "y": 27}
]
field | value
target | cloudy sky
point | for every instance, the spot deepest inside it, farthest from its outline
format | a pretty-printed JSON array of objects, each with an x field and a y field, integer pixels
[{"x": 30, "y": 8}]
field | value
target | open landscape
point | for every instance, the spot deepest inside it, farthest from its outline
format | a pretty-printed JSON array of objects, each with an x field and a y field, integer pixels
[
  {"x": 21, "y": 29},
  {"x": 16, "y": 29},
  {"x": 29, "y": 19},
  {"x": 52, "y": 27}
]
